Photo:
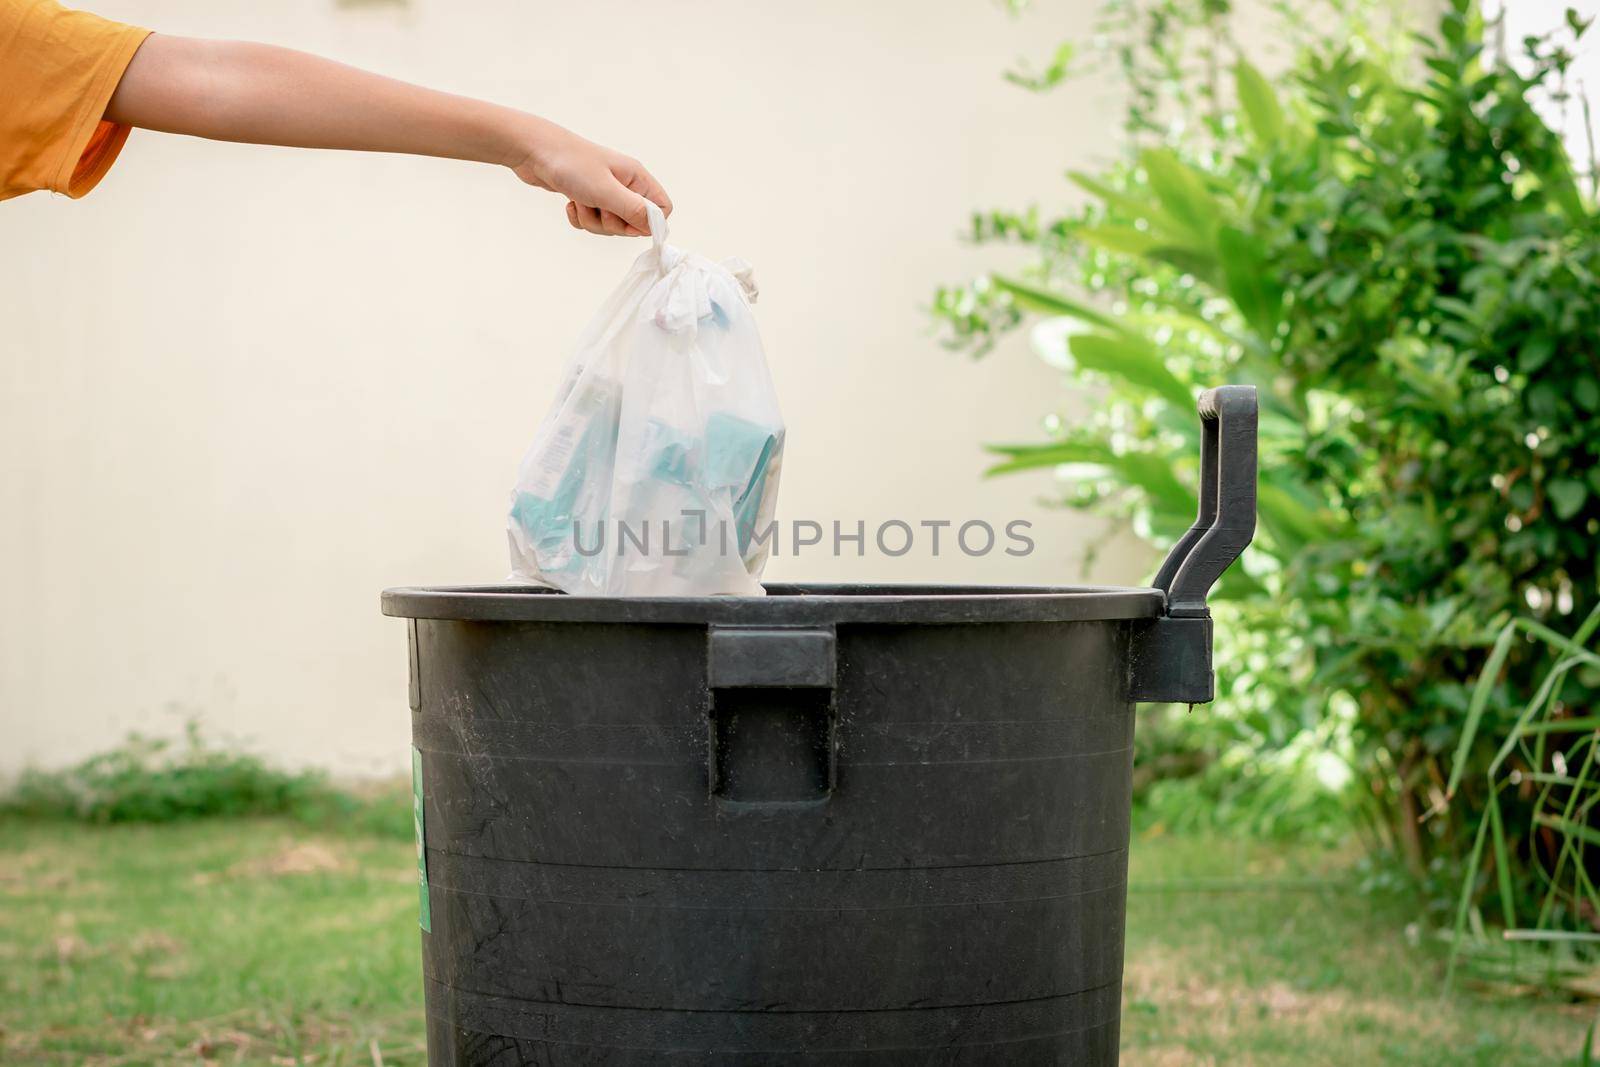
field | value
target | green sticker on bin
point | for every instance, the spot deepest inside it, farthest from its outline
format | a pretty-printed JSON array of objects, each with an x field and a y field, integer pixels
[{"x": 424, "y": 912}]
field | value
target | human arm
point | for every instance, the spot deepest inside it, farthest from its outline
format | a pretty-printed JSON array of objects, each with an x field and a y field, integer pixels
[{"x": 262, "y": 94}]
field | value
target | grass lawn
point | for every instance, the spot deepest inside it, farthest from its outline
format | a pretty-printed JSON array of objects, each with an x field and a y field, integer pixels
[{"x": 261, "y": 942}]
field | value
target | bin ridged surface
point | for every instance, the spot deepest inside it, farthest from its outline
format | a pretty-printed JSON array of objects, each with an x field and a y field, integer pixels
[{"x": 932, "y": 871}]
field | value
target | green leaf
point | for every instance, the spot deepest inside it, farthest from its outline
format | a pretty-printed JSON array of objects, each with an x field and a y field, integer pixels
[
  {"x": 1580, "y": 725},
  {"x": 1583, "y": 833},
  {"x": 1342, "y": 288},
  {"x": 1049, "y": 454},
  {"x": 1182, "y": 193},
  {"x": 1131, "y": 359},
  {"x": 1165, "y": 228},
  {"x": 1033, "y": 298},
  {"x": 1128, "y": 204},
  {"x": 1249, "y": 281},
  {"x": 1145, "y": 470},
  {"x": 1202, "y": 265},
  {"x": 1153, "y": 474},
  {"x": 1586, "y": 391},
  {"x": 1502, "y": 864},
  {"x": 1121, "y": 239},
  {"x": 1480, "y": 700},
  {"x": 1459, "y": 308},
  {"x": 1464, "y": 902},
  {"x": 1535, "y": 353},
  {"x": 1259, "y": 103},
  {"x": 1563, "y": 186},
  {"x": 1058, "y": 71},
  {"x": 1573, "y": 646},
  {"x": 1567, "y": 495},
  {"x": 1548, "y": 687},
  {"x": 1291, "y": 521}
]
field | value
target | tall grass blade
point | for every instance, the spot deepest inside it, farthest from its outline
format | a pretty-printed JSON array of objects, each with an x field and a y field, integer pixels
[{"x": 1480, "y": 700}]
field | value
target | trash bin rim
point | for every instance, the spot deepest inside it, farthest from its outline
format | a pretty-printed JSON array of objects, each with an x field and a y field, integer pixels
[{"x": 787, "y": 604}]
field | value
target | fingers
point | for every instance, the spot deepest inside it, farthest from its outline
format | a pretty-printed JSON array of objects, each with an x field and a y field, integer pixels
[
  {"x": 600, "y": 221},
  {"x": 635, "y": 177},
  {"x": 634, "y": 186},
  {"x": 621, "y": 227},
  {"x": 623, "y": 204}
]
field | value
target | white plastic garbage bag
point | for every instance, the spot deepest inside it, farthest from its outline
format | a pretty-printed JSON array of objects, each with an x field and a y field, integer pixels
[{"x": 656, "y": 472}]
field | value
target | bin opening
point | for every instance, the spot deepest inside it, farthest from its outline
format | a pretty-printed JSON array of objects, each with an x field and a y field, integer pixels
[{"x": 786, "y": 604}]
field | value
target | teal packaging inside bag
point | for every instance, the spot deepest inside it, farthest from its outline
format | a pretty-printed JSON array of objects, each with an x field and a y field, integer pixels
[
  {"x": 581, "y": 445},
  {"x": 740, "y": 454}
]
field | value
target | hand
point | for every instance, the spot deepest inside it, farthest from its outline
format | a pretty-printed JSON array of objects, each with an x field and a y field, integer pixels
[{"x": 605, "y": 190}]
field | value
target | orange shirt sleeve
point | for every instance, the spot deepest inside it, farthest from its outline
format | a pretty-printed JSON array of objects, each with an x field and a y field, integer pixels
[{"x": 58, "y": 69}]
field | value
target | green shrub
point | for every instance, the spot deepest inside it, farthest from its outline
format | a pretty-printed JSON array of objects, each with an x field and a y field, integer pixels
[
  {"x": 154, "y": 780},
  {"x": 1392, "y": 245}
]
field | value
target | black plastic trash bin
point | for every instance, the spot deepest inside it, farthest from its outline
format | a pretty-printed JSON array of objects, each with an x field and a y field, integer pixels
[{"x": 837, "y": 824}]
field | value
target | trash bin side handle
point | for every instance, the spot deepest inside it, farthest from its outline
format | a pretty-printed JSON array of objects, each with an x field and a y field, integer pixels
[
  {"x": 772, "y": 731},
  {"x": 1170, "y": 656},
  {"x": 1226, "y": 522}
]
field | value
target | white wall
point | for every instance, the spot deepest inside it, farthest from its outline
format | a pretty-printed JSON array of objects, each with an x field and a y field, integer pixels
[
  {"x": 1536, "y": 18},
  {"x": 244, "y": 389}
]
